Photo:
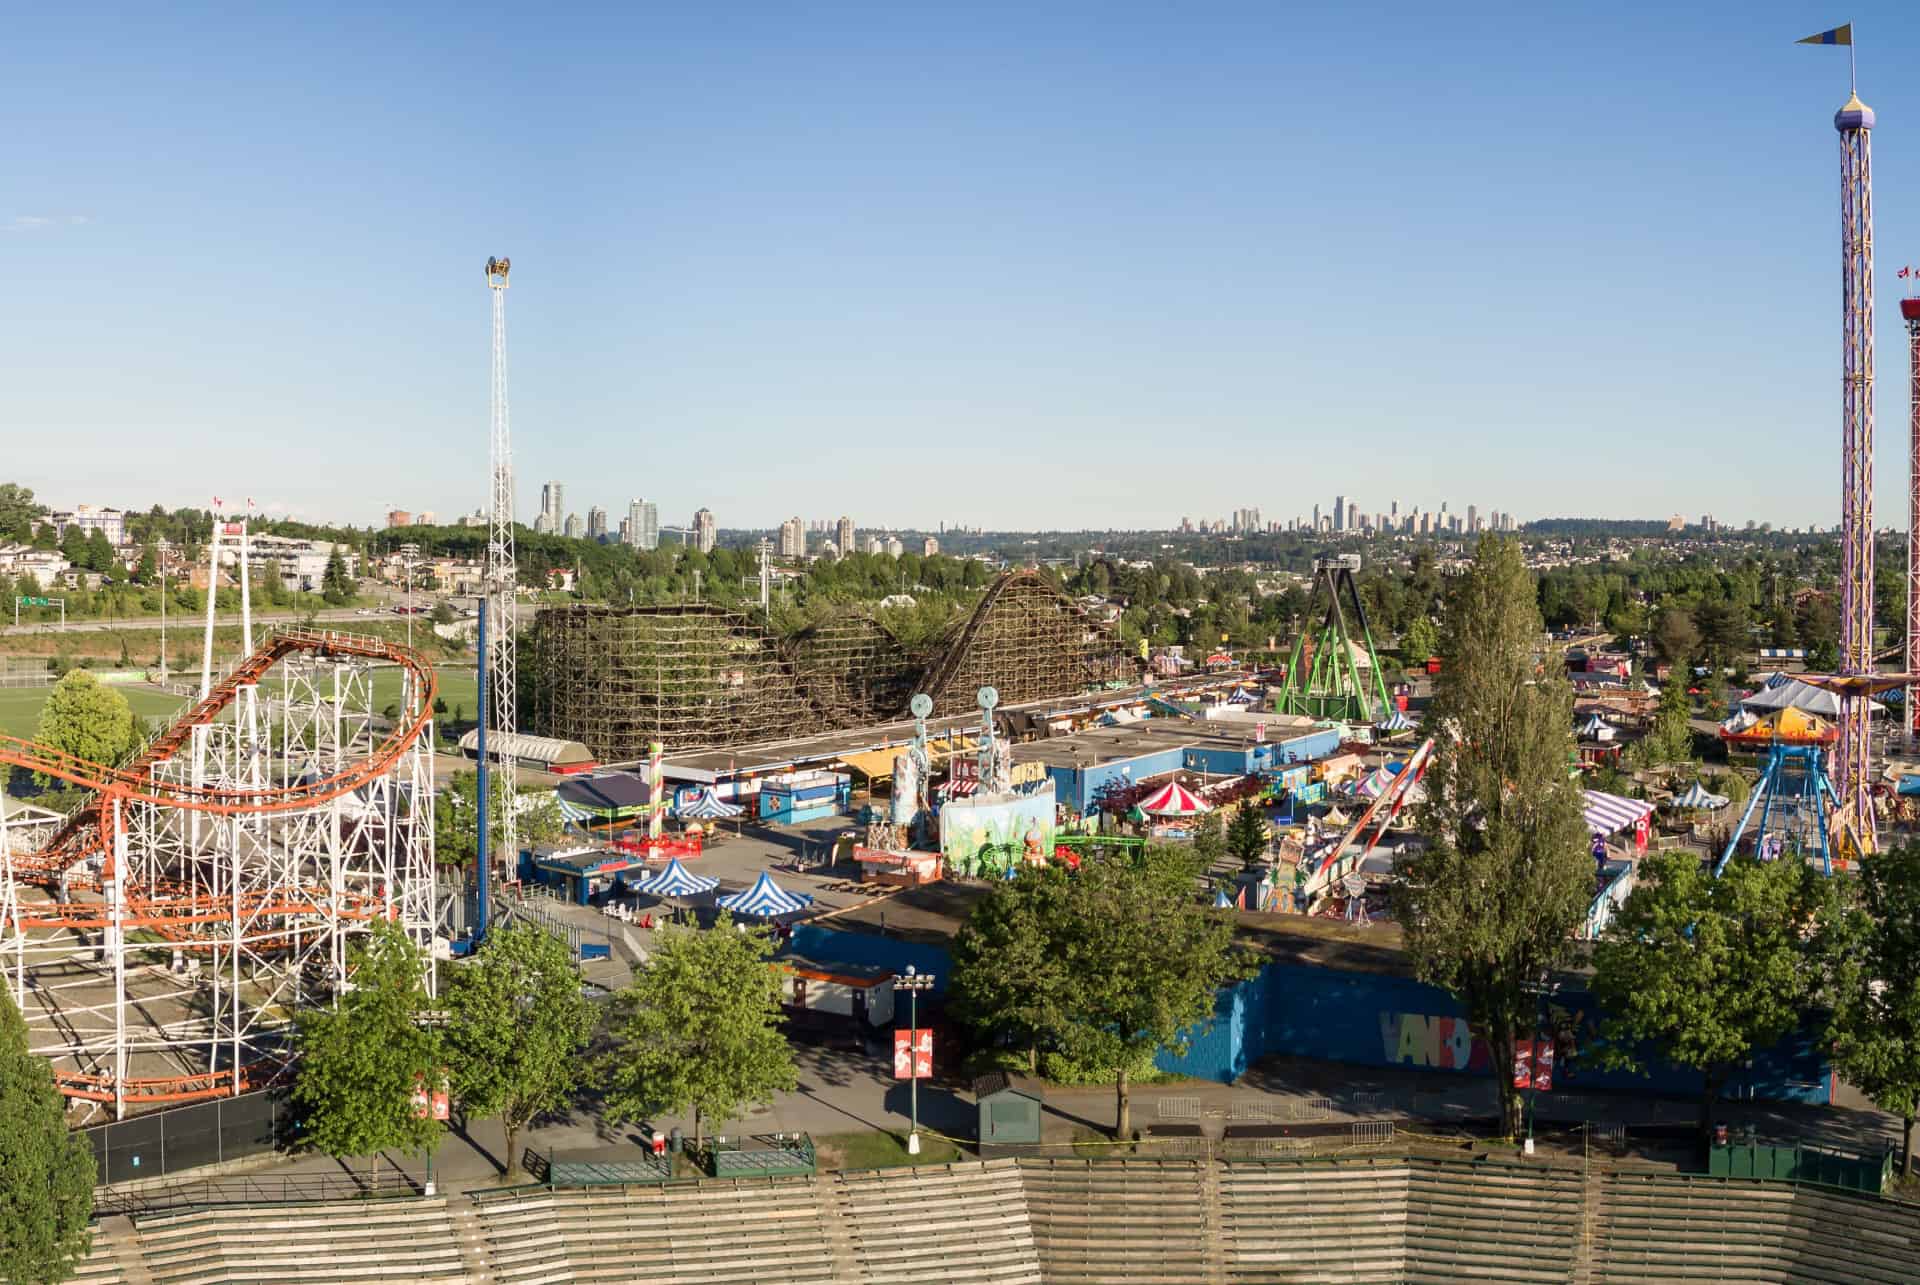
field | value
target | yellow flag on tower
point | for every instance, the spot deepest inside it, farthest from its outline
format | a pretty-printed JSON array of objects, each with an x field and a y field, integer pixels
[{"x": 1841, "y": 35}]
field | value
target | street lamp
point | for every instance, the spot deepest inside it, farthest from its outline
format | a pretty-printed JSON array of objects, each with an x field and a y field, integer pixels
[
  {"x": 913, "y": 982},
  {"x": 1543, "y": 988}
]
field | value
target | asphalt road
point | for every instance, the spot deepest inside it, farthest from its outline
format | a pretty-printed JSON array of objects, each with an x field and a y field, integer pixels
[{"x": 187, "y": 620}]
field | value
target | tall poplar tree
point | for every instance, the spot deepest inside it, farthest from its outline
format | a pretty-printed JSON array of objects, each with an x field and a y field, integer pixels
[
  {"x": 46, "y": 1171},
  {"x": 1488, "y": 908}
]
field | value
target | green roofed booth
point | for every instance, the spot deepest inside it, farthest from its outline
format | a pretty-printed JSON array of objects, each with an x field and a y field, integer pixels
[{"x": 1009, "y": 1109}]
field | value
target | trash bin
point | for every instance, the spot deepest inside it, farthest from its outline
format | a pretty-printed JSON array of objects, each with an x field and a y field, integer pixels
[{"x": 675, "y": 1143}]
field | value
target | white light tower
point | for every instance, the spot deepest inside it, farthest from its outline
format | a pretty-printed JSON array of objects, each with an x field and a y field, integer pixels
[{"x": 502, "y": 687}]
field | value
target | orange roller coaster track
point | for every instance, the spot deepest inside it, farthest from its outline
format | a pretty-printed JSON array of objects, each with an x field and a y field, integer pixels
[{"x": 252, "y": 856}]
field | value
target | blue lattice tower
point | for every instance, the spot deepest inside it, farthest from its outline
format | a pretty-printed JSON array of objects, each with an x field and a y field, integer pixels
[
  {"x": 1853, "y": 780},
  {"x": 1792, "y": 813}
]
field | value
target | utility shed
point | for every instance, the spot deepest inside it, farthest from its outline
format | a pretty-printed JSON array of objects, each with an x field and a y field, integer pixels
[{"x": 1009, "y": 1109}]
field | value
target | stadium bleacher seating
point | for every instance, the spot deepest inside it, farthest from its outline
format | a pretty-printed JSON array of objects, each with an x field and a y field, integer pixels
[
  {"x": 1142, "y": 1222},
  {"x": 336, "y": 1242},
  {"x": 959, "y": 1223}
]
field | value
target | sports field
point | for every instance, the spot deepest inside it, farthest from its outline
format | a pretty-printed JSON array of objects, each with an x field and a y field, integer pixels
[{"x": 20, "y": 706}]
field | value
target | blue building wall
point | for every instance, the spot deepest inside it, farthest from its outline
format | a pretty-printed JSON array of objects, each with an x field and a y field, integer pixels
[
  {"x": 1301, "y": 749},
  {"x": 868, "y": 950},
  {"x": 1370, "y": 1020},
  {"x": 1376, "y": 1020}
]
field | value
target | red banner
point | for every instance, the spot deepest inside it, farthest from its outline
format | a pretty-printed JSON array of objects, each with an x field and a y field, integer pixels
[
  {"x": 1533, "y": 1064},
  {"x": 913, "y": 1061}
]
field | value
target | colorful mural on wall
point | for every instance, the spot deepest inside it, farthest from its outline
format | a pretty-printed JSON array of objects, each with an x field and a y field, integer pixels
[{"x": 989, "y": 834}]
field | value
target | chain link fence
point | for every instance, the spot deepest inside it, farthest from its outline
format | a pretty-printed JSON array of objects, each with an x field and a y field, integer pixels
[{"x": 205, "y": 1133}]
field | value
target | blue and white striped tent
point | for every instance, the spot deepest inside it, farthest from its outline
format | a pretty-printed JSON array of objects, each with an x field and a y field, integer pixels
[
  {"x": 1398, "y": 723},
  {"x": 675, "y": 880},
  {"x": 1698, "y": 797},
  {"x": 1241, "y": 696},
  {"x": 1221, "y": 901},
  {"x": 707, "y": 806},
  {"x": 765, "y": 900}
]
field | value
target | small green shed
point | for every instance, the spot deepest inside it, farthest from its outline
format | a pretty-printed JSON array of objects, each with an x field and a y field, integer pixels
[{"x": 1009, "y": 1109}]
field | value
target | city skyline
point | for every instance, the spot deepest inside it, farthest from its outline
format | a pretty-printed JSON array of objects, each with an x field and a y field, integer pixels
[{"x": 1068, "y": 217}]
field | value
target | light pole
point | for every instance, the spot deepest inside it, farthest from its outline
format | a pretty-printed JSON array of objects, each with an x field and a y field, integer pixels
[
  {"x": 1543, "y": 988},
  {"x": 913, "y": 983}
]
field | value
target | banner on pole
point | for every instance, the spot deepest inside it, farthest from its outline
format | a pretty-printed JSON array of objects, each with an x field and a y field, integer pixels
[{"x": 913, "y": 1055}]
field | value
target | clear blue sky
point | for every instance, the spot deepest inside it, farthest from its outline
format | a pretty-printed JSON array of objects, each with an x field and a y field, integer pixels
[{"x": 1017, "y": 265}]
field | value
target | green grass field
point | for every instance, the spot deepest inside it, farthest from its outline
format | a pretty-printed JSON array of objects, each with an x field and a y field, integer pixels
[{"x": 20, "y": 706}]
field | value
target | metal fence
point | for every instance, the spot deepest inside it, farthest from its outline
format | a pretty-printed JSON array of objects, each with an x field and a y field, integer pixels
[
  {"x": 207, "y": 1193},
  {"x": 205, "y": 1133}
]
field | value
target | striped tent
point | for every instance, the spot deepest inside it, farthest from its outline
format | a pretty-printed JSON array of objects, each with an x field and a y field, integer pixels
[
  {"x": 1174, "y": 800},
  {"x": 1593, "y": 727},
  {"x": 1398, "y": 723},
  {"x": 707, "y": 806},
  {"x": 1610, "y": 814},
  {"x": 1241, "y": 696},
  {"x": 1221, "y": 901},
  {"x": 765, "y": 900},
  {"x": 1697, "y": 797},
  {"x": 675, "y": 880}
]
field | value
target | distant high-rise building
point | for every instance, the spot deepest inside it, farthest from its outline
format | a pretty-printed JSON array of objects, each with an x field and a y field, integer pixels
[
  {"x": 894, "y": 547},
  {"x": 843, "y": 536},
  {"x": 399, "y": 517},
  {"x": 626, "y": 530},
  {"x": 643, "y": 524},
  {"x": 705, "y": 533},
  {"x": 596, "y": 523},
  {"x": 1316, "y": 517},
  {"x": 793, "y": 538},
  {"x": 929, "y": 547},
  {"x": 876, "y": 543},
  {"x": 542, "y": 523},
  {"x": 575, "y": 528},
  {"x": 1339, "y": 512},
  {"x": 1473, "y": 518},
  {"x": 1676, "y": 523},
  {"x": 553, "y": 505}
]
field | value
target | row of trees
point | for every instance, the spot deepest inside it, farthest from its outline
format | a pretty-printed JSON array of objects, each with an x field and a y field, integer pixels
[
  {"x": 698, "y": 1031},
  {"x": 1699, "y": 970}
]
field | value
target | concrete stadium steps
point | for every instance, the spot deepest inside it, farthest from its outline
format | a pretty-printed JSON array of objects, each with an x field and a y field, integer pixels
[
  {"x": 745, "y": 1231},
  {"x": 341, "y": 1243},
  {"x": 1676, "y": 1228},
  {"x": 957, "y": 1224},
  {"x": 1490, "y": 1220},
  {"x": 108, "y": 1258},
  {"x": 1342, "y": 1224},
  {"x": 1121, "y": 1222}
]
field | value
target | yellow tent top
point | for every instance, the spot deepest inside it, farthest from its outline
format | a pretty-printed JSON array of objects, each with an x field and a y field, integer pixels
[{"x": 877, "y": 765}]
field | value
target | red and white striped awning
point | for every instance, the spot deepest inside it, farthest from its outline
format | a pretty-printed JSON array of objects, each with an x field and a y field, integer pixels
[
  {"x": 1175, "y": 800},
  {"x": 962, "y": 786}
]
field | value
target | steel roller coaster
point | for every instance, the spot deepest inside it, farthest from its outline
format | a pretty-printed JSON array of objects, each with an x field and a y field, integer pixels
[{"x": 160, "y": 939}]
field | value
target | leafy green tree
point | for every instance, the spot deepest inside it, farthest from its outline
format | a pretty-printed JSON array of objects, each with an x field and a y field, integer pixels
[
  {"x": 336, "y": 586},
  {"x": 517, "y": 1026},
  {"x": 442, "y": 612},
  {"x": 362, "y": 1060},
  {"x": 46, "y": 1170},
  {"x": 1677, "y": 640},
  {"x": 99, "y": 553},
  {"x": 1209, "y": 840},
  {"x": 1488, "y": 907},
  {"x": 147, "y": 570},
  {"x": 1007, "y": 983},
  {"x": 1146, "y": 963},
  {"x": 1707, "y": 969},
  {"x": 1420, "y": 641},
  {"x": 1247, "y": 836},
  {"x": 699, "y": 1029},
  {"x": 456, "y": 817},
  {"x": 18, "y": 512},
  {"x": 1875, "y": 966},
  {"x": 87, "y": 719}
]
